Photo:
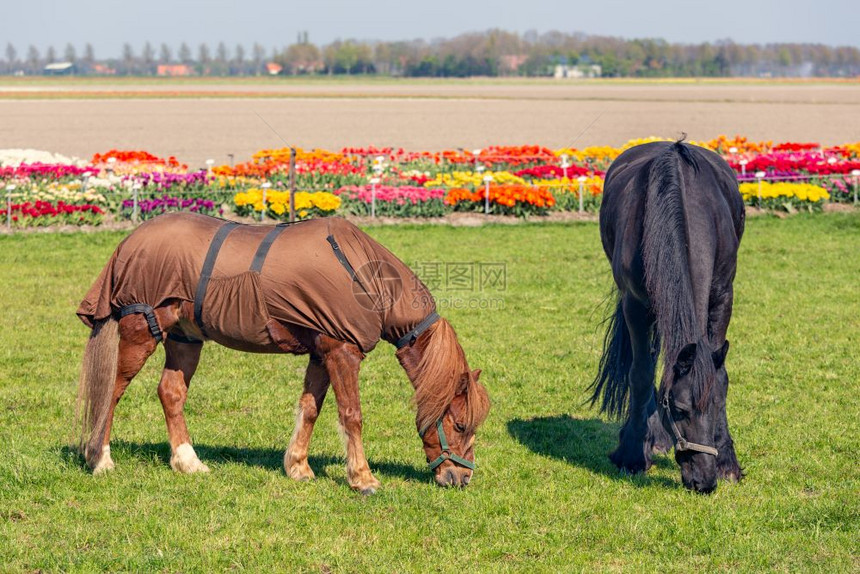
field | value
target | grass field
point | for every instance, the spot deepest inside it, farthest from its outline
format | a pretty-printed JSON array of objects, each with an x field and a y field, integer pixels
[{"x": 544, "y": 498}]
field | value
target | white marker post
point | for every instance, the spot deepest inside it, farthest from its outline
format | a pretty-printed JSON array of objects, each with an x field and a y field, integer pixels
[
  {"x": 581, "y": 179},
  {"x": 209, "y": 164},
  {"x": 135, "y": 209},
  {"x": 759, "y": 175},
  {"x": 487, "y": 179},
  {"x": 266, "y": 185},
  {"x": 476, "y": 153},
  {"x": 743, "y": 163},
  {"x": 10, "y": 188},
  {"x": 373, "y": 182},
  {"x": 564, "y": 164},
  {"x": 856, "y": 174},
  {"x": 378, "y": 167}
]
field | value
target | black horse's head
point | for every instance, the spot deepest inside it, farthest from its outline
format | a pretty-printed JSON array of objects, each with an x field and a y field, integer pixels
[{"x": 689, "y": 396}]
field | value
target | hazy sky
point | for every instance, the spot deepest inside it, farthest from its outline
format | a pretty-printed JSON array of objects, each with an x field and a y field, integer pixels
[{"x": 275, "y": 23}]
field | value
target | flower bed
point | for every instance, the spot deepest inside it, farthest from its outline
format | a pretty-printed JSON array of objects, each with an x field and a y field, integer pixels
[
  {"x": 524, "y": 180},
  {"x": 403, "y": 201},
  {"x": 42, "y": 213},
  {"x": 519, "y": 200},
  {"x": 277, "y": 203},
  {"x": 149, "y": 208},
  {"x": 787, "y": 196}
]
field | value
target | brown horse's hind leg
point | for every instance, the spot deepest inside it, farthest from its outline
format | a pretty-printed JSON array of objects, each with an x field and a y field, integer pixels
[
  {"x": 310, "y": 404},
  {"x": 179, "y": 366},
  {"x": 342, "y": 363},
  {"x": 136, "y": 344}
]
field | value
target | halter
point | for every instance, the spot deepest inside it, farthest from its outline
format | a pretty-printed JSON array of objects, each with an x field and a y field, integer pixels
[
  {"x": 682, "y": 443},
  {"x": 446, "y": 450}
]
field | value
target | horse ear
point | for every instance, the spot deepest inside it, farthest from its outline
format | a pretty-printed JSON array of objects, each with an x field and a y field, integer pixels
[
  {"x": 462, "y": 384},
  {"x": 719, "y": 355},
  {"x": 476, "y": 374},
  {"x": 684, "y": 362}
]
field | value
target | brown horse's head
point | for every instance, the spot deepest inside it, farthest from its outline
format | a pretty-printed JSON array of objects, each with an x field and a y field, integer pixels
[{"x": 451, "y": 403}]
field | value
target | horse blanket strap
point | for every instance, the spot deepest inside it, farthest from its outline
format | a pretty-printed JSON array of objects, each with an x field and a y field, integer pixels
[
  {"x": 412, "y": 335},
  {"x": 148, "y": 313},
  {"x": 176, "y": 337},
  {"x": 341, "y": 257},
  {"x": 263, "y": 249},
  {"x": 344, "y": 261},
  {"x": 206, "y": 272},
  {"x": 682, "y": 443},
  {"x": 446, "y": 450}
]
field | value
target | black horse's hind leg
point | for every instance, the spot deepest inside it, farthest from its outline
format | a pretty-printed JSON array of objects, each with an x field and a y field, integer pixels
[
  {"x": 727, "y": 461},
  {"x": 642, "y": 431}
]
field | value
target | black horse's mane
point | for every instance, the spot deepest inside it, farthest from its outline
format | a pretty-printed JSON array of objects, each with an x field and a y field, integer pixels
[{"x": 667, "y": 265}]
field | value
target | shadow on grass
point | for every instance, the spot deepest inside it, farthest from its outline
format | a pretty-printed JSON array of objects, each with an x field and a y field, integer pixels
[
  {"x": 581, "y": 442},
  {"x": 268, "y": 458}
]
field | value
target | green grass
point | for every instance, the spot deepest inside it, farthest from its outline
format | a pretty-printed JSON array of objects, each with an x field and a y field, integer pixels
[{"x": 544, "y": 498}]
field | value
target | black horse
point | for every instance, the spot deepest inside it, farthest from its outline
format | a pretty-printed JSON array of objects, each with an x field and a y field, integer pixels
[{"x": 671, "y": 223}]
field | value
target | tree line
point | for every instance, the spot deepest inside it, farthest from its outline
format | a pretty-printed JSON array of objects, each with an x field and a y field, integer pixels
[{"x": 490, "y": 53}]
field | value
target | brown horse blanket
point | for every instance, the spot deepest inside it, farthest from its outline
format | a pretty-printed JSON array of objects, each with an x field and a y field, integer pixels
[{"x": 323, "y": 274}]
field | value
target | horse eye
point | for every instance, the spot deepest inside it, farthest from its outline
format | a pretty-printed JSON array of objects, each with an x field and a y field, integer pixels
[{"x": 459, "y": 428}]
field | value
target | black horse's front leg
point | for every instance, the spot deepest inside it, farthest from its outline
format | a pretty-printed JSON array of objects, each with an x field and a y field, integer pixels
[
  {"x": 718, "y": 322},
  {"x": 642, "y": 430},
  {"x": 727, "y": 461}
]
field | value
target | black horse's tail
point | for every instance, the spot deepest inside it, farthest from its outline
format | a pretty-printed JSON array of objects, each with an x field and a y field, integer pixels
[{"x": 610, "y": 385}]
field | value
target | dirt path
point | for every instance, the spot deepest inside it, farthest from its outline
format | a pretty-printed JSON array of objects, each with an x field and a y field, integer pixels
[{"x": 418, "y": 116}]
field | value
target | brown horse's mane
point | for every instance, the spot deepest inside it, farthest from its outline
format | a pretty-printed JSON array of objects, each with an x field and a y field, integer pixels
[{"x": 437, "y": 367}]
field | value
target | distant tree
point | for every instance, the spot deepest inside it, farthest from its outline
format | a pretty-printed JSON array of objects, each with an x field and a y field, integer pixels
[
  {"x": 11, "y": 57},
  {"x": 258, "y": 54},
  {"x": 128, "y": 59},
  {"x": 239, "y": 60},
  {"x": 33, "y": 60},
  {"x": 51, "y": 55},
  {"x": 301, "y": 58},
  {"x": 89, "y": 54},
  {"x": 221, "y": 64},
  {"x": 69, "y": 54},
  {"x": 147, "y": 57},
  {"x": 184, "y": 53},
  {"x": 165, "y": 54},
  {"x": 348, "y": 57},
  {"x": 204, "y": 58}
]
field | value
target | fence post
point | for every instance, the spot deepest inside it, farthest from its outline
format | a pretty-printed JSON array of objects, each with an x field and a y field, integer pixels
[
  {"x": 581, "y": 179},
  {"x": 135, "y": 209},
  {"x": 373, "y": 182},
  {"x": 266, "y": 185},
  {"x": 487, "y": 179},
  {"x": 759, "y": 175},
  {"x": 856, "y": 174},
  {"x": 292, "y": 184},
  {"x": 9, "y": 189}
]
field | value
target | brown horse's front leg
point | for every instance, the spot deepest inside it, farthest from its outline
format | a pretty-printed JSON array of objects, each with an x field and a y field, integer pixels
[
  {"x": 310, "y": 404},
  {"x": 342, "y": 362}
]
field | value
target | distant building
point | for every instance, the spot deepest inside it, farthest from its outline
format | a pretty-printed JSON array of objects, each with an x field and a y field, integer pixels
[
  {"x": 103, "y": 70},
  {"x": 274, "y": 69},
  {"x": 511, "y": 63},
  {"x": 173, "y": 70},
  {"x": 577, "y": 72},
  {"x": 59, "y": 69}
]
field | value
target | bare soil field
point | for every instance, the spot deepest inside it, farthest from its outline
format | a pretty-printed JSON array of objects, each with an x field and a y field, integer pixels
[{"x": 197, "y": 120}]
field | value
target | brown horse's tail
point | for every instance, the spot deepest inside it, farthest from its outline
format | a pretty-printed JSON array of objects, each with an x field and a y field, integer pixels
[{"x": 95, "y": 391}]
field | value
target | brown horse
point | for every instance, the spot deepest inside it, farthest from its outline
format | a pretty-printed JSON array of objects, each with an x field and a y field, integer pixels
[{"x": 321, "y": 287}]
